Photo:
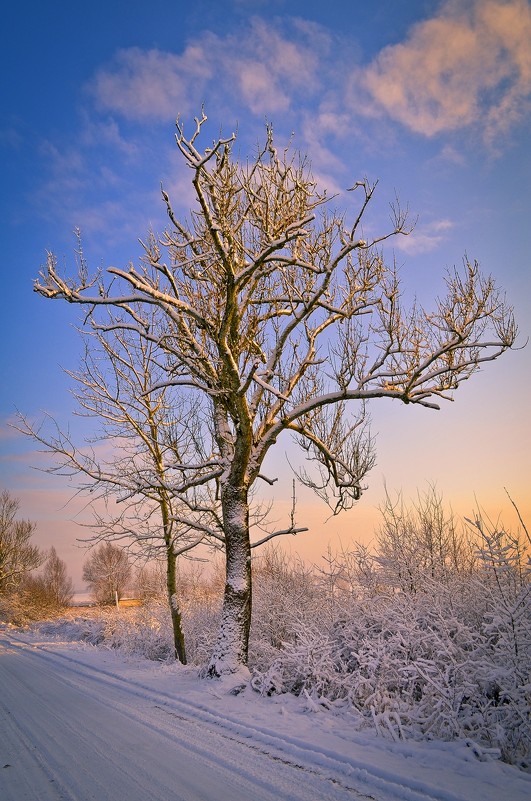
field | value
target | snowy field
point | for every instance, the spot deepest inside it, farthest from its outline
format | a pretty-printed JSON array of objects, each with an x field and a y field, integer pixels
[{"x": 79, "y": 722}]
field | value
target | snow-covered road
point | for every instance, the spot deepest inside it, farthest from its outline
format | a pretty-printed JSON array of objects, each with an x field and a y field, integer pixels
[
  {"x": 78, "y": 724},
  {"x": 73, "y": 732}
]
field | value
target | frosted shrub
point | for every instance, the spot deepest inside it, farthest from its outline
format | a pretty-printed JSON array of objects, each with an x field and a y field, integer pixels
[
  {"x": 285, "y": 593},
  {"x": 390, "y": 660},
  {"x": 200, "y": 625},
  {"x": 145, "y": 631},
  {"x": 90, "y": 630},
  {"x": 200, "y": 597},
  {"x": 444, "y": 653},
  {"x": 506, "y": 669}
]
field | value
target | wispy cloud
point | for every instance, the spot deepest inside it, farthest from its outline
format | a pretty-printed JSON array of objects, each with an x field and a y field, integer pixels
[
  {"x": 151, "y": 84},
  {"x": 471, "y": 64},
  {"x": 424, "y": 237},
  {"x": 10, "y": 138},
  {"x": 261, "y": 66},
  {"x": 97, "y": 193},
  {"x": 98, "y": 132}
]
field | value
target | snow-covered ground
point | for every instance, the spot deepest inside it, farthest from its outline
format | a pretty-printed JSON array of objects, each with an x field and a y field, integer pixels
[{"x": 80, "y": 722}]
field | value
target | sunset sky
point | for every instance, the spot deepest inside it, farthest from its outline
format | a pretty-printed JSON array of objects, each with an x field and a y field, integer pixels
[{"x": 431, "y": 98}]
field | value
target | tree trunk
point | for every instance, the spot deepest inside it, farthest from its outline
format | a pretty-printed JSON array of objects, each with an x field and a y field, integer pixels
[
  {"x": 171, "y": 584},
  {"x": 232, "y": 646}
]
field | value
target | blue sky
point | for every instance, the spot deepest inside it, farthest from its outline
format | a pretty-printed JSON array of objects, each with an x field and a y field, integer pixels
[{"x": 433, "y": 99}]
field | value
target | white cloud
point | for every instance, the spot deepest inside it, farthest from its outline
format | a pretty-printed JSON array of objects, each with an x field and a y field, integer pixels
[
  {"x": 153, "y": 84},
  {"x": 450, "y": 155},
  {"x": 260, "y": 66},
  {"x": 471, "y": 64},
  {"x": 258, "y": 88},
  {"x": 270, "y": 67},
  {"x": 424, "y": 237},
  {"x": 320, "y": 132}
]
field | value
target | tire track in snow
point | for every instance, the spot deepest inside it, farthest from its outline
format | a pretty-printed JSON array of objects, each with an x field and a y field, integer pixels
[
  {"x": 100, "y": 694},
  {"x": 348, "y": 773}
]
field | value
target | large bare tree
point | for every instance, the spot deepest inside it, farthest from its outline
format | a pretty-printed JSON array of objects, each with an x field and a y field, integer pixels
[{"x": 282, "y": 318}]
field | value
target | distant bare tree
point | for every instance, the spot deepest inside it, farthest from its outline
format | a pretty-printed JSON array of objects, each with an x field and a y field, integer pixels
[
  {"x": 282, "y": 318},
  {"x": 58, "y": 583},
  {"x": 50, "y": 590},
  {"x": 17, "y": 555},
  {"x": 107, "y": 572}
]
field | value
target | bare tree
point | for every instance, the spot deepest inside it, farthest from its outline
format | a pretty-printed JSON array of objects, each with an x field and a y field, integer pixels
[
  {"x": 281, "y": 317},
  {"x": 107, "y": 572},
  {"x": 17, "y": 555},
  {"x": 142, "y": 433},
  {"x": 57, "y": 581},
  {"x": 50, "y": 590}
]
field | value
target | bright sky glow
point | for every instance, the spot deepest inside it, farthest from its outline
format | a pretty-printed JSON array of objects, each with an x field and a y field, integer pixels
[{"x": 432, "y": 98}]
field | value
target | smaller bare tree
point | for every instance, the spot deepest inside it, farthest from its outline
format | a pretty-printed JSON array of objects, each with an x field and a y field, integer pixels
[
  {"x": 107, "y": 572},
  {"x": 152, "y": 433}
]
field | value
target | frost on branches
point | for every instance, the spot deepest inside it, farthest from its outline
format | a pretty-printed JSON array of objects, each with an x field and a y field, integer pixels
[{"x": 280, "y": 319}]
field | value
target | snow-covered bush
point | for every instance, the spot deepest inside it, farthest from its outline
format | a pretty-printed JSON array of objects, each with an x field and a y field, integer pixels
[
  {"x": 285, "y": 593},
  {"x": 200, "y": 625},
  {"x": 144, "y": 632},
  {"x": 506, "y": 667},
  {"x": 85, "y": 629},
  {"x": 423, "y": 647},
  {"x": 419, "y": 647}
]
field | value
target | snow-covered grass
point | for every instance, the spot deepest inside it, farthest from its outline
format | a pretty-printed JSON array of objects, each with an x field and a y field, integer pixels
[
  {"x": 450, "y": 659},
  {"x": 427, "y": 638},
  {"x": 127, "y": 696}
]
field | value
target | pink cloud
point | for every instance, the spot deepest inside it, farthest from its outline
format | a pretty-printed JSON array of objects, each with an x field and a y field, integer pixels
[
  {"x": 469, "y": 65},
  {"x": 424, "y": 237}
]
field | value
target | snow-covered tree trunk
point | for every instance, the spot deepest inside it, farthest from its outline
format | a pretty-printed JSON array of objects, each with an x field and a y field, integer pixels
[
  {"x": 171, "y": 587},
  {"x": 231, "y": 649}
]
